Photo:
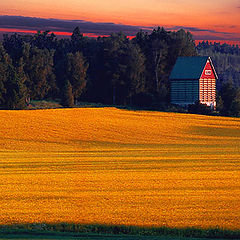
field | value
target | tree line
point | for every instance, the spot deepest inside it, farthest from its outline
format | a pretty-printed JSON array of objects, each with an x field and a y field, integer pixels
[{"x": 108, "y": 70}]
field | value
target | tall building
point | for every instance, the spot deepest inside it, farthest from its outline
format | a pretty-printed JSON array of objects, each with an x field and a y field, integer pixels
[{"x": 193, "y": 79}]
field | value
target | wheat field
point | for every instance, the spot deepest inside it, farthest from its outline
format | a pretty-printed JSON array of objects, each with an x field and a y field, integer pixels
[{"x": 112, "y": 166}]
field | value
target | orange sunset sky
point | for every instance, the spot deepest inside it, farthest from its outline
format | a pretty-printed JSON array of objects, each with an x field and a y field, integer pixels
[{"x": 206, "y": 19}]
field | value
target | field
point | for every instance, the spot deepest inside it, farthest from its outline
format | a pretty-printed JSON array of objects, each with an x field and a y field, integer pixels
[{"x": 112, "y": 166}]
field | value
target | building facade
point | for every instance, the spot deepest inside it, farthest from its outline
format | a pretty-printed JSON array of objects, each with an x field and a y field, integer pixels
[{"x": 193, "y": 79}]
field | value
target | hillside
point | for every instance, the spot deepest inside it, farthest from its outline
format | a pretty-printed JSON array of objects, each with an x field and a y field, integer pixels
[{"x": 111, "y": 166}]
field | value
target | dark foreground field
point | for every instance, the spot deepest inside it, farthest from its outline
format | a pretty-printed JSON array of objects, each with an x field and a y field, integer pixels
[
  {"x": 98, "y": 237},
  {"x": 94, "y": 232}
]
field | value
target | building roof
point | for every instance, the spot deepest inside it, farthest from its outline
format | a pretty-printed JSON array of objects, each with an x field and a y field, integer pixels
[{"x": 190, "y": 67}]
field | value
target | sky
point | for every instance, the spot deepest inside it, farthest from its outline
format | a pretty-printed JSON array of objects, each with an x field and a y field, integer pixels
[{"x": 205, "y": 19}]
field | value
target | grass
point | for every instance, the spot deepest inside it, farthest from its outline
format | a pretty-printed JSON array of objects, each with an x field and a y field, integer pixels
[
  {"x": 43, "y": 104},
  {"x": 73, "y": 231},
  {"x": 55, "y": 104},
  {"x": 119, "y": 167}
]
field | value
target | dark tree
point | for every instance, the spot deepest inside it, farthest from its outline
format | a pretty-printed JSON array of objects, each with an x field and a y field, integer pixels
[
  {"x": 77, "y": 41},
  {"x": 44, "y": 40},
  {"x": 60, "y": 63},
  {"x": 16, "y": 90},
  {"x": 76, "y": 73},
  {"x": 111, "y": 68},
  {"x": 5, "y": 61},
  {"x": 231, "y": 100},
  {"x": 12, "y": 88},
  {"x": 39, "y": 70},
  {"x": 134, "y": 79},
  {"x": 67, "y": 96},
  {"x": 14, "y": 45},
  {"x": 159, "y": 51}
]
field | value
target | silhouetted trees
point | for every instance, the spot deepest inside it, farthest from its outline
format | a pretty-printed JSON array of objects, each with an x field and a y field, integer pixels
[
  {"x": 12, "y": 83},
  {"x": 38, "y": 66},
  {"x": 161, "y": 49},
  {"x": 111, "y": 70},
  {"x": 230, "y": 97},
  {"x": 120, "y": 70},
  {"x": 76, "y": 71}
]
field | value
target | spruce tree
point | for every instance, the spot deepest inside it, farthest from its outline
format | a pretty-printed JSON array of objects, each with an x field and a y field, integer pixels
[
  {"x": 15, "y": 90},
  {"x": 5, "y": 61}
]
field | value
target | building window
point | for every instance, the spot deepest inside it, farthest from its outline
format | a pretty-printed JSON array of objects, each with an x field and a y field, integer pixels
[{"x": 208, "y": 72}]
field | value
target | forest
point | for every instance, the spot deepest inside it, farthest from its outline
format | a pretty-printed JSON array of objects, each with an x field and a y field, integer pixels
[{"x": 110, "y": 70}]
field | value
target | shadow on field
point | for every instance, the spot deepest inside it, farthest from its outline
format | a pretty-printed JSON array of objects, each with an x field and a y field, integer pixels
[{"x": 110, "y": 232}]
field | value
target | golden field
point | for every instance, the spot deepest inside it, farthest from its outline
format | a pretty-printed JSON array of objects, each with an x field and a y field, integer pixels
[{"x": 111, "y": 166}]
